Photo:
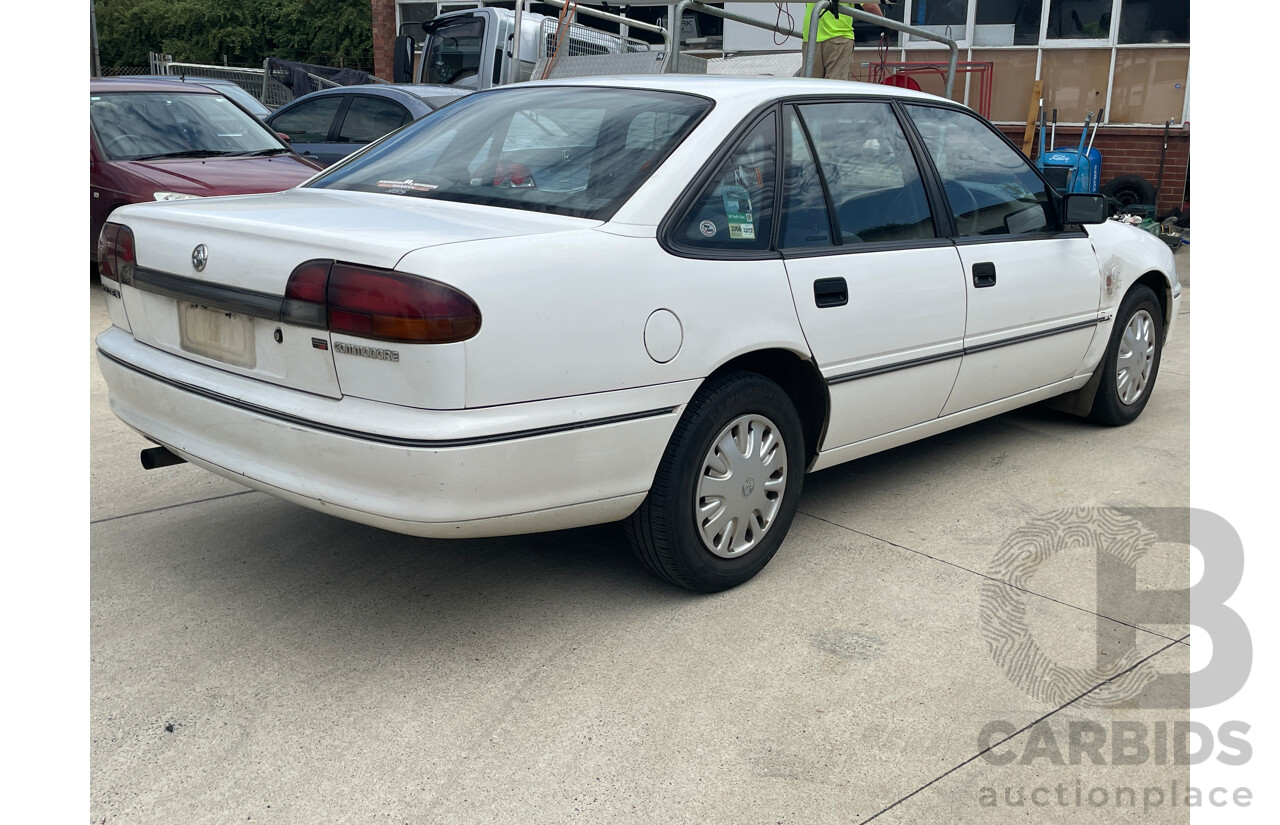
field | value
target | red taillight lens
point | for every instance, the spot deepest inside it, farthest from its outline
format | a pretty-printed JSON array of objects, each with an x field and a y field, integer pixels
[
  {"x": 379, "y": 304},
  {"x": 511, "y": 175},
  {"x": 390, "y": 306},
  {"x": 116, "y": 257}
]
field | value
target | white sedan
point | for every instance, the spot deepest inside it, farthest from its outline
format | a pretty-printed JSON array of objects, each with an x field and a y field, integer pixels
[{"x": 659, "y": 299}]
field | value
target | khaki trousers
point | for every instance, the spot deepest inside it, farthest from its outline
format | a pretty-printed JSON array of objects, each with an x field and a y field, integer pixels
[{"x": 834, "y": 59}]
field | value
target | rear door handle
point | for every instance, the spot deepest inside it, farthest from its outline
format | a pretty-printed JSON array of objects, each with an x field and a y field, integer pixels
[
  {"x": 830, "y": 292},
  {"x": 984, "y": 274}
]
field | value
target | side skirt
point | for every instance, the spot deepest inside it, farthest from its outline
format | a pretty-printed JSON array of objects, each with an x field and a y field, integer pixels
[{"x": 888, "y": 441}]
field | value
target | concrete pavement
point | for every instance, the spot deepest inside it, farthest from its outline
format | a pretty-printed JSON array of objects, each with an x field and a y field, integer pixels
[{"x": 252, "y": 660}]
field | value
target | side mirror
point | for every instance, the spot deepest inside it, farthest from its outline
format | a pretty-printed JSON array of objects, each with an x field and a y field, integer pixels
[
  {"x": 402, "y": 60},
  {"x": 284, "y": 137},
  {"x": 1084, "y": 208}
]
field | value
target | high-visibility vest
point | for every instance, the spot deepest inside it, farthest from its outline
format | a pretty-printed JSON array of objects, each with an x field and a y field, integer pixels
[{"x": 829, "y": 24}]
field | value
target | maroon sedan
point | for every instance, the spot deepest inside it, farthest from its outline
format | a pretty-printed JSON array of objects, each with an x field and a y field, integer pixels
[{"x": 158, "y": 140}]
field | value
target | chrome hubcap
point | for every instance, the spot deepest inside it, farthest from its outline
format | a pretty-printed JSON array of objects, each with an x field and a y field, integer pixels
[
  {"x": 1137, "y": 354},
  {"x": 740, "y": 488}
]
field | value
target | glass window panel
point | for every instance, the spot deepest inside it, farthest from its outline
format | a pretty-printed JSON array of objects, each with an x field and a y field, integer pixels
[
  {"x": 308, "y": 122},
  {"x": 990, "y": 186},
  {"x": 1150, "y": 85},
  {"x": 1155, "y": 21},
  {"x": 870, "y": 172},
  {"x": 896, "y": 11},
  {"x": 939, "y": 13},
  {"x": 454, "y": 51},
  {"x": 552, "y": 149},
  {"x": 135, "y": 125},
  {"x": 1075, "y": 82},
  {"x": 735, "y": 211},
  {"x": 417, "y": 12},
  {"x": 1007, "y": 23},
  {"x": 1079, "y": 19},
  {"x": 1012, "y": 79},
  {"x": 805, "y": 221},
  {"x": 369, "y": 118}
]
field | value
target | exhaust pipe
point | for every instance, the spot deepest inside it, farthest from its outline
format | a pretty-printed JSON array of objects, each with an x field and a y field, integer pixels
[{"x": 155, "y": 457}]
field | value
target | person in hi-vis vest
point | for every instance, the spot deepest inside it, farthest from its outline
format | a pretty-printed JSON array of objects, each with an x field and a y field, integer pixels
[{"x": 835, "y": 41}]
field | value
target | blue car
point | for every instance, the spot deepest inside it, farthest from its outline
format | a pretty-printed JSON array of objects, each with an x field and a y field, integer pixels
[{"x": 328, "y": 125}]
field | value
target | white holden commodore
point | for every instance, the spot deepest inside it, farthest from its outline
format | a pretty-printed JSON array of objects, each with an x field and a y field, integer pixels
[{"x": 659, "y": 299}]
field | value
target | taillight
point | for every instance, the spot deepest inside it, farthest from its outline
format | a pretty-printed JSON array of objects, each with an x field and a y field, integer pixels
[
  {"x": 116, "y": 255},
  {"x": 379, "y": 304},
  {"x": 511, "y": 175}
]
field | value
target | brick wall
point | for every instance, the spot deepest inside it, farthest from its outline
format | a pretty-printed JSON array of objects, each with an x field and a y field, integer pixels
[
  {"x": 384, "y": 35},
  {"x": 1130, "y": 150}
]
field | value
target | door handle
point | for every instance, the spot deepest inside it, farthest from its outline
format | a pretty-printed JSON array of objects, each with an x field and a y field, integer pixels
[
  {"x": 830, "y": 292},
  {"x": 984, "y": 274}
]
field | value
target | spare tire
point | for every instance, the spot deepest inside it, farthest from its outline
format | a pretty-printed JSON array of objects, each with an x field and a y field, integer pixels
[{"x": 1130, "y": 189}]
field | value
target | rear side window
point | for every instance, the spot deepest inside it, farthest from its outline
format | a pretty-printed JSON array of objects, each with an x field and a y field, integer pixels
[
  {"x": 805, "y": 219},
  {"x": 735, "y": 209},
  {"x": 991, "y": 188},
  {"x": 870, "y": 172}
]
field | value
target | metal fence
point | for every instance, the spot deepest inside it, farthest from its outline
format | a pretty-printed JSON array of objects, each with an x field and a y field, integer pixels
[{"x": 256, "y": 81}]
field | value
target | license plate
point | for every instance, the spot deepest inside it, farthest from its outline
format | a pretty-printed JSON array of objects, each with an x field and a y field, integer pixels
[{"x": 223, "y": 336}]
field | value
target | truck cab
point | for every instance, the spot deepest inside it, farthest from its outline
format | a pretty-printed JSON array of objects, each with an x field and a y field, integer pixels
[{"x": 476, "y": 48}]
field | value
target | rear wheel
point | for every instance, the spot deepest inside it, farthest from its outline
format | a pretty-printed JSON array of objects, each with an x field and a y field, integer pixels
[
  {"x": 1132, "y": 361},
  {"x": 727, "y": 487}
]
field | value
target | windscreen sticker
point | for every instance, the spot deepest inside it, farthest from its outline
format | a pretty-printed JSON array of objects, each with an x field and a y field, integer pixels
[
  {"x": 406, "y": 186},
  {"x": 741, "y": 226},
  {"x": 707, "y": 228}
]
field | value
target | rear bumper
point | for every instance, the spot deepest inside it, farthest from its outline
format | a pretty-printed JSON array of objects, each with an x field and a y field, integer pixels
[{"x": 544, "y": 465}]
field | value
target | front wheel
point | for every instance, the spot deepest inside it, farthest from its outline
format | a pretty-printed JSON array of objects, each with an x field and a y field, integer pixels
[
  {"x": 1132, "y": 361},
  {"x": 727, "y": 487}
]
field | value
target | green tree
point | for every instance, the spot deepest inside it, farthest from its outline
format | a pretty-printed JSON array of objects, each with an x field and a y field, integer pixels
[{"x": 330, "y": 32}]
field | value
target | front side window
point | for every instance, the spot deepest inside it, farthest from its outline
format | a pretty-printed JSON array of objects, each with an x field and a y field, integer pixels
[
  {"x": 369, "y": 118},
  {"x": 991, "y": 189},
  {"x": 140, "y": 125},
  {"x": 572, "y": 151},
  {"x": 869, "y": 170},
  {"x": 735, "y": 209},
  {"x": 309, "y": 121}
]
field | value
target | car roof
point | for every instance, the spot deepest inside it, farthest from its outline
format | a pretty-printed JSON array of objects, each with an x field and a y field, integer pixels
[
  {"x": 188, "y": 78},
  {"x": 749, "y": 91},
  {"x": 125, "y": 84},
  {"x": 422, "y": 91}
]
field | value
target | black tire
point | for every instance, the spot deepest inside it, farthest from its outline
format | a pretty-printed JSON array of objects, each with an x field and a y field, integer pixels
[
  {"x": 1109, "y": 405},
  {"x": 664, "y": 531},
  {"x": 1130, "y": 189}
]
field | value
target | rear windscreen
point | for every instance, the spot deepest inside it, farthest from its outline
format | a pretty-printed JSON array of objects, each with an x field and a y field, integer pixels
[{"x": 568, "y": 150}]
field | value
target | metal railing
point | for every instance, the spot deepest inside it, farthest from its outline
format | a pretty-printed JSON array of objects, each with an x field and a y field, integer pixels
[
  {"x": 818, "y": 8},
  {"x": 587, "y": 10}
]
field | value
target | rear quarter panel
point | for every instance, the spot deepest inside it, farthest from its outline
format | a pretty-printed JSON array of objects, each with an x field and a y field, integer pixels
[{"x": 565, "y": 314}]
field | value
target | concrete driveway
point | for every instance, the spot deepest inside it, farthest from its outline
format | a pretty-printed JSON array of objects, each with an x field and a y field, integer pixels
[{"x": 252, "y": 660}]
